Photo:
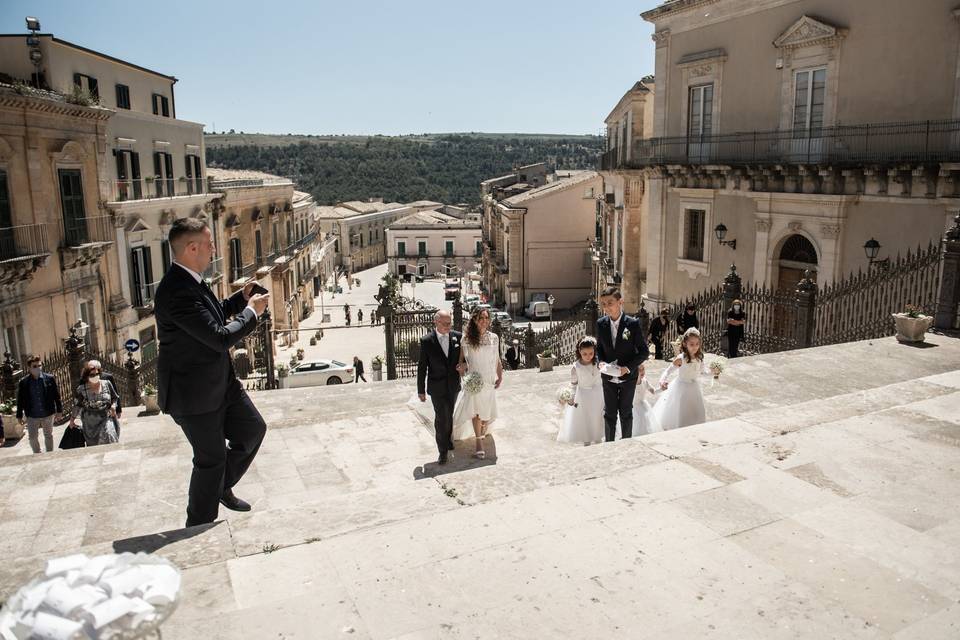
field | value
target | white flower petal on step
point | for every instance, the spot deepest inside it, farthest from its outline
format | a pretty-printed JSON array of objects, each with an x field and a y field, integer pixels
[{"x": 50, "y": 627}]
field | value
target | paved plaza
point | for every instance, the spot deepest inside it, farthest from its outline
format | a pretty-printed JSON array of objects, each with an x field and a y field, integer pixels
[{"x": 818, "y": 502}]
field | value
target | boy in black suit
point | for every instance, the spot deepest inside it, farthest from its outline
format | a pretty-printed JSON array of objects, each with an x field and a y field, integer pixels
[{"x": 620, "y": 340}]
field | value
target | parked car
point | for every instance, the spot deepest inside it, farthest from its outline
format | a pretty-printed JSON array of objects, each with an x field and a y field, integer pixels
[
  {"x": 315, "y": 373},
  {"x": 505, "y": 320},
  {"x": 451, "y": 291},
  {"x": 537, "y": 310},
  {"x": 471, "y": 301}
]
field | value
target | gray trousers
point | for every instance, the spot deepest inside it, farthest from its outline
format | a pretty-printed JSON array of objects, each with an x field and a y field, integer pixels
[{"x": 33, "y": 429}]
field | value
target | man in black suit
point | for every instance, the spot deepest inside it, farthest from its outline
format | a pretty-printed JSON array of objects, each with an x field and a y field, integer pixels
[
  {"x": 196, "y": 382},
  {"x": 620, "y": 340},
  {"x": 437, "y": 376}
]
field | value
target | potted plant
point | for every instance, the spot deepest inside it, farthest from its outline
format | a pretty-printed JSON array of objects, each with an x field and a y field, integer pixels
[
  {"x": 299, "y": 354},
  {"x": 911, "y": 324},
  {"x": 11, "y": 426},
  {"x": 282, "y": 372},
  {"x": 377, "y": 366},
  {"x": 150, "y": 399},
  {"x": 546, "y": 359}
]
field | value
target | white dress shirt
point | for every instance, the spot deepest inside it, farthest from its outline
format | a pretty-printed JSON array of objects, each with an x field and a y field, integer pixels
[
  {"x": 444, "y": 339},
  {"x": 614, "y": 326}
]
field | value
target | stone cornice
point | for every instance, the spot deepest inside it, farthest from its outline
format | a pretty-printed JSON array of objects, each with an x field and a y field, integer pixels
[
  {"x": 674, "y": 7},
  {"x": 54, "y": 107}
]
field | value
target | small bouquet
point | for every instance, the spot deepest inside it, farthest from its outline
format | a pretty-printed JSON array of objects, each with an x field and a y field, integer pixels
[
  {"x": 473, "y": 382},
  {"x": 565, "y": 396},
  {"x": 718, "y": 365}
]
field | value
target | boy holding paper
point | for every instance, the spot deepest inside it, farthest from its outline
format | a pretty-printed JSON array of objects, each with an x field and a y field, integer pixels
[{"x": 622, "y": 350}]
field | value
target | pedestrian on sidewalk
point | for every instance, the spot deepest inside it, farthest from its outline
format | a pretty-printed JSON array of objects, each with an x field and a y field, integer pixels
[
  {"x": 373, "y": 318},
  {"x": 658, "y": 328},
  {"x": 359, "y": 317},
  {"x": 358, "y": 369},
  {"x": 38, "y": 400},
  {"x": 95, "y": 402},
  {"x": 513, "y": 358}
]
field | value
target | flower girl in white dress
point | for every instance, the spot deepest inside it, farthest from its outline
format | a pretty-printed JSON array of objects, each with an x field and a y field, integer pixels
[
  {"x": 682, "y": 403},
  {"x": 583, "y": 418},
  {"x": 483, "y": 371},
  {"x": 644, "y": 421}
]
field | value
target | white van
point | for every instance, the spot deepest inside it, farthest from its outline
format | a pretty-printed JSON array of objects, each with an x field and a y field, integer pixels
[{"x": 537, "y": 309}]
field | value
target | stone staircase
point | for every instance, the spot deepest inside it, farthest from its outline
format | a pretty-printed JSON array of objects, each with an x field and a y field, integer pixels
[{"x": 351, "y": 509}]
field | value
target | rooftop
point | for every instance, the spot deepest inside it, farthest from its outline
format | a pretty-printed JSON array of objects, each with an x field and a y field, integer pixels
[
  {"x": 226, "y": 176},
  {"x": 575, "y": 178},
  {"x": 92, "y": 52},
  {"x": 427, "y": 219}
]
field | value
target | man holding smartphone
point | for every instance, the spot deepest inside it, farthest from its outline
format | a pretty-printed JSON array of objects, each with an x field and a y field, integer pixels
[{"x": 196, "y": 382}]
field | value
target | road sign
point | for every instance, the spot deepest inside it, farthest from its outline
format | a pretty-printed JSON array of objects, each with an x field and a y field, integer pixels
[{"x": 132, "y": 345}]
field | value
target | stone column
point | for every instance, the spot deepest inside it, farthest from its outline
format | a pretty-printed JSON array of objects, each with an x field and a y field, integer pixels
[
  {"x": 949, "y": 300},
  {"x": 655, "y": 240}
]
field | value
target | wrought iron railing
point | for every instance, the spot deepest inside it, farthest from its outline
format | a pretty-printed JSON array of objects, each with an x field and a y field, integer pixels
[
  {"x": 23, "y": 240},
  {"x": 894, "y": 142},
  {"x": 215, "y": 269},
  {"x": 80, "y": 231},
  {"x": 150, "y": 188}
]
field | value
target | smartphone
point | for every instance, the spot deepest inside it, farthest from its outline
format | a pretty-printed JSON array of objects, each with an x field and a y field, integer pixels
[{"x": 258, "y": 290}]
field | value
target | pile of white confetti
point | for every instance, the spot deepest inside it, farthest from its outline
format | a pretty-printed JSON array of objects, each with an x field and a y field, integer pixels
[{"x": 101, "y": 598}]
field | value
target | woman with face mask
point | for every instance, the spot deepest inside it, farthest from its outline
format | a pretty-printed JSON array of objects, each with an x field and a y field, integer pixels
[
  {"x": 96, "y": 401},
  {"x": 735, "y": 321}
]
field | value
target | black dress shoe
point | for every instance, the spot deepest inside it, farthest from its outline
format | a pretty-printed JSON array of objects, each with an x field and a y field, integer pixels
[
  {"x": 232, "y": 502},
  {"x": 443, "y": 458}
]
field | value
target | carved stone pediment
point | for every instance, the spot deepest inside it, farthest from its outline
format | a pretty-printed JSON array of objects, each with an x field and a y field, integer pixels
[
  {"x": 233, "y": 220},
  {"x": 808, "y": 31},
  {"x": 135, "y": 224}
]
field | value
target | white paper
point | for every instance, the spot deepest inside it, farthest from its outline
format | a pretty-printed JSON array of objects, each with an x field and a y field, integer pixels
[
  {"x": 64, "y": 600},
  {"x": 611, "y": 369},
  {"x": 94, "y": 569},
  {"x": 35, "y": 595},
  {"x": 59, "y": 566},
  {"x": 106, "y": 612},
  {"x": 126, "y": 582},
  {"x": 51, "y": 627}
]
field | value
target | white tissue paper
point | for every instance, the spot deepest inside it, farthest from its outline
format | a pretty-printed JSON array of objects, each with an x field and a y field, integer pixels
[{"x": 81, "y": 598}]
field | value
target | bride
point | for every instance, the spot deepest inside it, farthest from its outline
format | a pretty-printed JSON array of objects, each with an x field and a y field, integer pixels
[{"x": 483, "y": 371}]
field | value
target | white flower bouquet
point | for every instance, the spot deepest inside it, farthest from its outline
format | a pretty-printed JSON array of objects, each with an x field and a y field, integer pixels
[
  {"x": 565, "y": 396},
  {"x": 718, "y": 365},
  {"x": 473, "y": 382}
]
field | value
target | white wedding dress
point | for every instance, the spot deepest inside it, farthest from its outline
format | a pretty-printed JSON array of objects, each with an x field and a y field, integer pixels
[
  {"x": 482, "y": 360},
  {"x": 681, "y": 405},
  {"x": 583, "y": 423}
]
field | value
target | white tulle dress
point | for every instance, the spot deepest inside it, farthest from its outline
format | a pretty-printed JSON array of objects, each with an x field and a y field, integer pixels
[
  {"x": 681, "y": 405},
  {"x": 583, "y": 423},
  {"x": 644, "y": 421},
  {"x": 482, "y": 360}
]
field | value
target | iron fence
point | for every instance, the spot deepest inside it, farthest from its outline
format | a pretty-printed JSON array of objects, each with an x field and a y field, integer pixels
[
  {"x": 894, "y": 142},
  {"x": 80, "y": 231}
]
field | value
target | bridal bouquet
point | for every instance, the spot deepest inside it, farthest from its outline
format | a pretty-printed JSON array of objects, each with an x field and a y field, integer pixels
[
  {"x": 565, "y": 396},
  {"x": 718, "y": 365},
  {"x": 473, "y": 382},
  {"x": 83, "y": 598}
]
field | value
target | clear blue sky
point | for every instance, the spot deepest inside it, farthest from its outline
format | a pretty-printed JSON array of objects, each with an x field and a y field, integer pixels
[{"x": 371, "y": 66}]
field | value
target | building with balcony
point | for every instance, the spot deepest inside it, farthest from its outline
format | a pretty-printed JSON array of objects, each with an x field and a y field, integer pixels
[
  {"x": 431, "y": 242},
  {"x": 57, "y": 263},
  {"x": 154, "y": 172},
  {"x": 361, "y": 227},
  {"x": 538, "y": 232},
  {"x": 827, "y": 127},
  {"x": 622, "y": 211},
  {"x": 266, "y": 231}
]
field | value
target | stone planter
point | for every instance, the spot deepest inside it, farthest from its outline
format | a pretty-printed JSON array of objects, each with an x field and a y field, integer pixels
[
  {"x": 377, "y": 375},
  {"x": 546, "y": 363},
  {"x": 12, "y": 428},
  {"x": 911, "y": 329},
  {"x": 150, "y": 403}
]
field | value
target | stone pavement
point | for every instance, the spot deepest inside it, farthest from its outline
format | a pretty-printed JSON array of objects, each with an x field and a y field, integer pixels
[{"x": 820, "y": 501}]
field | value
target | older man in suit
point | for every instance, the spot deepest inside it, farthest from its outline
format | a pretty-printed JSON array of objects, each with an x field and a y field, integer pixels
[
  {"x": 620, "y": 340},
  {"x": 437, "y": 376},
  {"x": 196, "y": 382}
]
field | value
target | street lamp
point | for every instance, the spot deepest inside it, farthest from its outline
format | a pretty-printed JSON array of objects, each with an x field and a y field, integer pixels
[
  {"x": 33, "y": 43},
  {"x": 871, "y": 247},
  {"x": 721, "y": 232}
]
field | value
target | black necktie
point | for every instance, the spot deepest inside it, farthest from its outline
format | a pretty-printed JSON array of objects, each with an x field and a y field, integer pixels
[{"x": 212, "y": 297}]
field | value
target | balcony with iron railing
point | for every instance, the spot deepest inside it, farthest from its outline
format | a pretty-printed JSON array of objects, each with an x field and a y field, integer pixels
[
  {"x": 90, "y": 230},
  {"x": 214, "y": 272},
  {"x": 23, "y": 250},
  {"x": 151, "y": 188},
  {"x": 241, "y": 273},
  {"x": 843, "y": 145}
]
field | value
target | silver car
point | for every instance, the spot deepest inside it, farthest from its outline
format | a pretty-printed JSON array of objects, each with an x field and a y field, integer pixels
[
  {"x": 503, "y": 317},
  {"x": 315, "y": 373}
]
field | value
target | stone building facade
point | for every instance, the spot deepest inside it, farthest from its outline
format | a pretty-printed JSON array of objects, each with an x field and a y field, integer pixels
[
  {"x": 788, "y": 141},
  {"x": 432, "y": 242},
  {"x": 58, "y": 266},
  {"x": 620, "y": 248},
  {"x": 538, "y": 230}
]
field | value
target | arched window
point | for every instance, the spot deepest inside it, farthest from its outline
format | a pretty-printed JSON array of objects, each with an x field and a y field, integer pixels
[{"x": 798, "y": 249}]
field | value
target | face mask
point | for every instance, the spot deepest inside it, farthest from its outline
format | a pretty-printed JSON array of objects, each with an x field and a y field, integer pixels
[
  {"x": 736, "y": 308},
  {"x": 35, "y": 371},
  {"x": 94, "y": 379}
]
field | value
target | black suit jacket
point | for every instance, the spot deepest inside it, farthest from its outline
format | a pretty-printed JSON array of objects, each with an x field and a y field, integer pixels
[
  {"x": 437, "y": 373},
  {"x": 194, "y": 367},
  {"x": 630, "y": 351},
  {"x": 51, "y": 395}
]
